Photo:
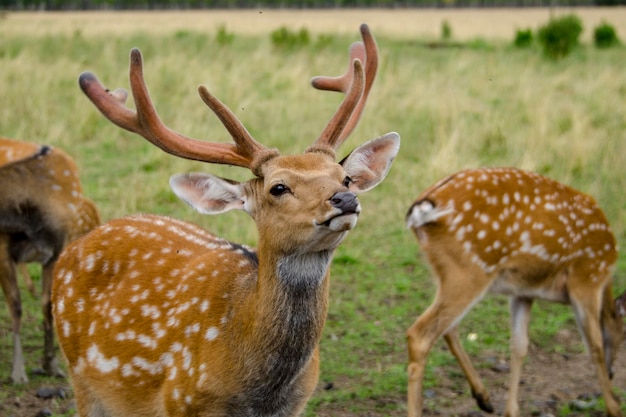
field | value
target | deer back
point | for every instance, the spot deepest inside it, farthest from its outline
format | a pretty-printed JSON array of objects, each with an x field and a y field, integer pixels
[{"x": 518, "y": 226}]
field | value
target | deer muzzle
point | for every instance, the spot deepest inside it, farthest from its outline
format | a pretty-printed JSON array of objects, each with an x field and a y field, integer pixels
[{"x": 347, "y": 209}]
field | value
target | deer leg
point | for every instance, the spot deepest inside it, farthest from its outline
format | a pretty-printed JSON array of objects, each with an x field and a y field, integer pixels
[
  {"x": 476, "y": 384},
  {"x": 50, "y": 363},
  {"x": 520, "y": 318},
  {"x": 23, "y": 268},
  {"x": 8, "y": 279},
  {"x": 451, "y": 303},
  {"x": 587, "y": 312},
  {"x": 612, "y": 326}
]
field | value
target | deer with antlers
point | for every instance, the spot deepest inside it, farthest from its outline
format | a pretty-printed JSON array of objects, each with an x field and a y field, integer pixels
[
  {"x": 42, "y": 209},
  {"x": 158, "y": 317},
  {"x": 513, "y": 232}
]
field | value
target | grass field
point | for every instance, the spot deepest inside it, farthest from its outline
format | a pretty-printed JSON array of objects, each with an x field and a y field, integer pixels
[{"x": 482, "y": 103}]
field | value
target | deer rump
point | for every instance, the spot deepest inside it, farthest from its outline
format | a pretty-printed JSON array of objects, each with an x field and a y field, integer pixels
[{"x": 31, "y": 227}]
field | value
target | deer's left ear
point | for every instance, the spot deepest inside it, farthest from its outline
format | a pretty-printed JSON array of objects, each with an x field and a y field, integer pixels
[{"x": 369, "y": 163}]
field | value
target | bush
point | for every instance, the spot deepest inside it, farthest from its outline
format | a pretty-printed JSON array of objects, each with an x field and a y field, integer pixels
[
  {"x": 523, "y": 38},
  {"x": 285, "y": 38},
  {"x": 604, "y": 36},
  {"x": 224, "y": 37},
  {"x": 559, "y": 36},
  {"x": 446, "y": 31}
]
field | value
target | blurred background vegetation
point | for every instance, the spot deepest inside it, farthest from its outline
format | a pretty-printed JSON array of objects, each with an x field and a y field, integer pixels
[
  {"x": 200, "y": 4},
  {"x": 456, "y": 104}
]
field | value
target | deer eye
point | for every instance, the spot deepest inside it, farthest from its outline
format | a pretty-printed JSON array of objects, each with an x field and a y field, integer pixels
[
  {"x": 347, "y": 181},
  {"x": 279, "y": 189}
]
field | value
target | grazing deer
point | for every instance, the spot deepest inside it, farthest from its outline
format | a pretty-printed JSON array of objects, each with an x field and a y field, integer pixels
[
  {"x": 516, "y": 233},
  {"x": 11, "y": 151},
  {"x": 42, "y": 209},
  {"x": 158, "y": 317}
]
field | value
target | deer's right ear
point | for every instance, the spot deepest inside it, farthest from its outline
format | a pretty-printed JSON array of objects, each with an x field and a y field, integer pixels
[{"x": 207, "y": 193}]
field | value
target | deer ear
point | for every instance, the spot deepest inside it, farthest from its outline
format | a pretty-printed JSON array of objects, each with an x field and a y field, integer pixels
[
  {"x": 207, "y": 193},
  {"x": 369, "y": 163}
]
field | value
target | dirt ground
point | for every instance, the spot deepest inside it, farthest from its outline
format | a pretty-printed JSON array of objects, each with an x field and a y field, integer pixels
[{"x": 549, "y": 381}]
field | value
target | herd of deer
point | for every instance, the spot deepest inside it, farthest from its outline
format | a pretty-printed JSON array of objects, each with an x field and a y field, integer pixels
[{"x": 202, "y": 326}]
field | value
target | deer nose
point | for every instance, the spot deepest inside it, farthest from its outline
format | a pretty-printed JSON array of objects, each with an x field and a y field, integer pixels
[{"x": 345, "y": 201}]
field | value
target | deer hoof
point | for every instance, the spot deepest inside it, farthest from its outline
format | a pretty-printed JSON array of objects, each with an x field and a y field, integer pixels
[{"x": 483, "y": 402}]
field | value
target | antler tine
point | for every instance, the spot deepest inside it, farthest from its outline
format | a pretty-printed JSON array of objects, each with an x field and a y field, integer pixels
[
  {"x": 244, "y": 141},
  {"x": 331, "y": 135},
  {"x": 341, "y": 84},
  {"x": 367, "y": 52},
  {"x": 146, "y": 122}
]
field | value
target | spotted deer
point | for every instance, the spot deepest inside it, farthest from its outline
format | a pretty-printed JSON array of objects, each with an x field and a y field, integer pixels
[
  {"x": 42, "y": 209},
  {"x": 516, "y": 233},
  {"x": 158, "y": 317}
]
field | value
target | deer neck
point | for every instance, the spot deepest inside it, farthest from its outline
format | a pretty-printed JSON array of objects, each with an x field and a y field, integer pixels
[
  {"x": 285, "y": 315},
  {"x": 291, "y": 295}
]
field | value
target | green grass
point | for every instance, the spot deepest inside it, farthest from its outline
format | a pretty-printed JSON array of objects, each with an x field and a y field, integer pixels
[{"x": 484, "y": 105}]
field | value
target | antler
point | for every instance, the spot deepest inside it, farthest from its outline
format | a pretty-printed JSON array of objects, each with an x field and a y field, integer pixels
[
  {"x": 245, "y": 152},
  {"x": 344, "y": 122}
]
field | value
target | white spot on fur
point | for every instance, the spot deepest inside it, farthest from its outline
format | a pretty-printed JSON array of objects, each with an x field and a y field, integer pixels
[
  {"x": 92, "y": 328},
  {"x": 173, "y": 372},
  {"x": 67, "y": 277},
  {"x": 145, "y": 365},
  {"x": 80, "y": 366},
  {"x": 194, "y": 328},
  {"x": 146, "y": 341},
  {"x": 61, "y": 305},
  {"x": 150, "y": 311},
  {"x": 100, "y": 362},
  {"x": 211, "y": 333},
  {"x": 90, "y": 262}
]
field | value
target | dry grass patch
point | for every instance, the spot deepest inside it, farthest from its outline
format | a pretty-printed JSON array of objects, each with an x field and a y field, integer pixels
[{"x": 398, "y": 23}]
